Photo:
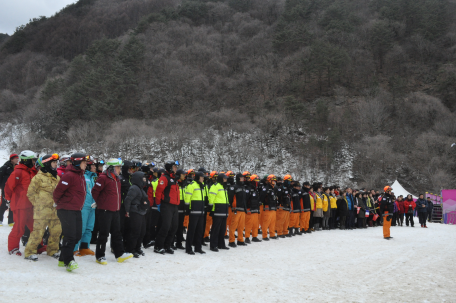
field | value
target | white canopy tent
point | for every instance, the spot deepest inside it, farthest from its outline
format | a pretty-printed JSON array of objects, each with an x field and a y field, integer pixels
[{"x": 399, "y": 190}]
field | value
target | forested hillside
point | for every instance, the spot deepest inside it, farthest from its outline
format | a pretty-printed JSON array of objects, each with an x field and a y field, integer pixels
[{"x": 335, "y": 91}]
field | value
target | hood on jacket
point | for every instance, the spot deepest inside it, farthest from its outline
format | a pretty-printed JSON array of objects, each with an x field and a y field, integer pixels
[
  {"x": 137, "y": 179},
  {"x": 23, "y": 166},
  {"x": 74, "y": 169},
  {"x": 238, "y": 178},
  {"x": 90, "y": 174}
]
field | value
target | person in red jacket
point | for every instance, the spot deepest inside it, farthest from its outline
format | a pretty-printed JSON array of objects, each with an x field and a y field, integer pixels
[
  {"x": 400, "y": 211},
  {"x": 64, "y": 162},
  {"x": 69, "y": 196},
  {"x": 409, "y": 207},
  {"x": 107, "y": 196},
  {"x": 16, "y": 192},
  {"x": 168, "y": 197}
]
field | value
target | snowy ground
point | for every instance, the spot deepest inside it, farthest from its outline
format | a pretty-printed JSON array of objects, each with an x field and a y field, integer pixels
[{"x": 418, "y": 265}]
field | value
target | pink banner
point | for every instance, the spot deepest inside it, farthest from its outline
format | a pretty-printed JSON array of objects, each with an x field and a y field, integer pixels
[{"x": 449, "y": 206}]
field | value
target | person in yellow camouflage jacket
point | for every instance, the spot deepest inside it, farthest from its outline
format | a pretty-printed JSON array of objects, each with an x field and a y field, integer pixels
[{"x": 40, "y": 193}]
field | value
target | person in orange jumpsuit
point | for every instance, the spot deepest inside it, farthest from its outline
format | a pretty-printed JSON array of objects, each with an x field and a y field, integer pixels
[
  {"x": 238, "y": 208},
  {"x": 386, "y": 205},
  {"x": 253, "y": 209},
  {"x": 261, "y": 186},
  {"x": 284, "y": 207},
  {"x": 269, "y": 200},
  {"x": 296, "y": 207},
  {"x": 230, "y": 189},
  {"x": 306, "y": 208}
]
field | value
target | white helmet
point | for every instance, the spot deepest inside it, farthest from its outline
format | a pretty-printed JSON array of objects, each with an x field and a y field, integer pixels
[
  {"x": 114, "y": 162},
  {"x": 64, "y": 159},
  {"x": 27, "y": 154}
]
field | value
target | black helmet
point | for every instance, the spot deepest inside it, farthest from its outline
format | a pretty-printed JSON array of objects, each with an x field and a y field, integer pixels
[
  {"x": 100, "y": 164},
  {"x": 145, "y": 169},
  {"x": 46, "y": 161},
  {"x": 198, "y": 175},
  {"x": 155, "y": 169},
  {"x": 151, "y": 165},
  {"x": 160, "y": 172},
  {"x": 221, "y": 177},
  {"x": 180, "y": 172},
  {"x": 136, "y": 163},
  {"x": 203, "y": 170},
  {"x": 77, "y": 158},
  {"x": 126, "y": 166},
  {"x": 169, "y": 165},
  {"x": 90, "y": 162}
]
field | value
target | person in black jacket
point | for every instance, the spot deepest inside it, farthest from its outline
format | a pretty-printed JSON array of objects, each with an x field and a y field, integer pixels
[
  {"x": 306, "y": 211},
  {"x": 430, "y": 209},
  {"x": 179, "y": 237},
  {"x": 422, "y": 208},
  {"x": 253, "y": 211},
  {"x": 128, "y": 168},
  {"x": 136, "y": 204},
  {"x": 5, "y": 172},
  {"x": 386, "y": 209},
  {"x": 239, "y": 208},
  {"x": 342, "y": 209}
]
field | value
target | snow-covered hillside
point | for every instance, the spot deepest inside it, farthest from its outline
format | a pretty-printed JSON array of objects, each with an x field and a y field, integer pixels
[
  {"x": 214, "y": 149},
  {"x": 328, "y": 266}
]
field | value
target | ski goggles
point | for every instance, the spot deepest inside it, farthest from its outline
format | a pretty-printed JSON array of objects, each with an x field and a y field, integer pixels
[
  {"x": 85, "y": 158},
  {"x": 53, "y": 157}
]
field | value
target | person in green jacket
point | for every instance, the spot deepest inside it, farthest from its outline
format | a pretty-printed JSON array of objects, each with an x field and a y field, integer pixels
[
  {"x": 218, "y": 199},
  {"x": 195, "y": 198}
]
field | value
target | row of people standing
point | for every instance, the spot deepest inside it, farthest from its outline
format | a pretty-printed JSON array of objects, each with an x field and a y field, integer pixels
[
  {"x": 43, "y": 201},
  {"x": 143, "y": 206}
]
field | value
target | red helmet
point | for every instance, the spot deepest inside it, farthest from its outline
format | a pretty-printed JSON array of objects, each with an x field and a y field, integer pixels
[
  {"x": 230, "y": 174},
  {"x": 287, "y": 177},
  {"x": 246, "y": 174},
  {"x": 214, "y": 174},
  {"x": 387, "y": 188},
  {"x": 271, "y": 178},
  {"x": 190, "y": 171},
  {"x": 254, "y": 178}
]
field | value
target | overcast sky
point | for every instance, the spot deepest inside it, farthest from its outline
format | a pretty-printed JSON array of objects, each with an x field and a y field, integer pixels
[{"x": 14, "y": 13}]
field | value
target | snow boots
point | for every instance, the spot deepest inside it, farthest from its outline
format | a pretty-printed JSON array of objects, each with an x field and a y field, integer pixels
[
  {"x": 72, "y": 266},
  {"x": 124, "y": 257}
]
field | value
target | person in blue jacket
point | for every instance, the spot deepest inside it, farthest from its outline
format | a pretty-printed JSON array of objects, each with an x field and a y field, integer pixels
[
  {"x": 88, "y": 213},
  {"x": 350, "y": 220},
  {"x": 422, "y": 207}
]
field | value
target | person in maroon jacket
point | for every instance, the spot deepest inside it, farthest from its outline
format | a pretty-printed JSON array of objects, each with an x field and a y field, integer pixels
[
  {"x": 69, "y": 197},
  {"x": 107, "y": 196},
  {"x": 168, "y": 197}
]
